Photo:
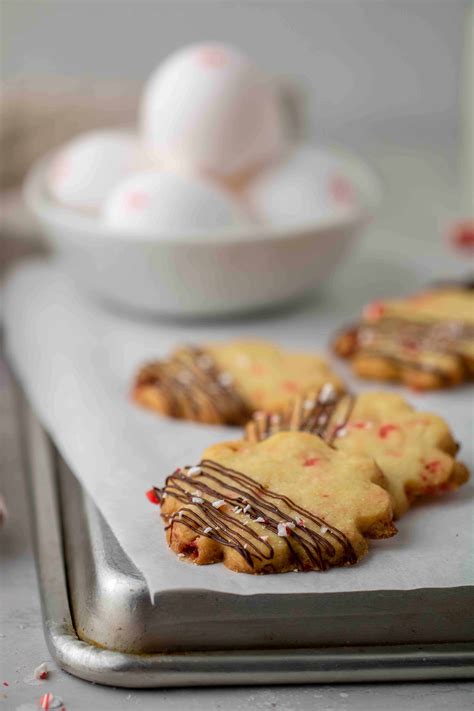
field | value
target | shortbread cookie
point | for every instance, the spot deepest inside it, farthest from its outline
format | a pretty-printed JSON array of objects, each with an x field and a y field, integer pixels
[
  {"x": 224, "y": 383},
  {"x": 415, "y": 450},
  {"x": 426, "y": 340},
  {"x": 287, "y": 503}
]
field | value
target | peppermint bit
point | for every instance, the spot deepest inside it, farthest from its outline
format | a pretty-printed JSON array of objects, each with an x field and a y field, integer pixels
[
  {"x": 197, "y": 492},
  {"x": 309, "y": 404},
  {"x": 153, "y": 497},
  {"x": 218, "y": 503},
  {"x": 301, "y": 522},
  {"x": 225, "y": 379},
  {"x": 283, "y": 530},
  {"x": 194, "y": 470},
  {"x": 326, "y": 393},
  {"x": 197, "y": 500},
  {"x": 324, "y": 529},
  {"x": 208, "y": 529},
  {"x": 237, "y": 509},
  {"x": 341, "y": 432},
  {"x": 41, "y": 671},
  {"x": 48, "y": 701},
  {"x": 205, "y": 362},
  {"x": 247, "y": 508},
  {"x": 185, "y": 377},
  {"x": 264, "y": 538},
  {"x": 260, "y": 519},
  {"x": 180, "y": 514}
]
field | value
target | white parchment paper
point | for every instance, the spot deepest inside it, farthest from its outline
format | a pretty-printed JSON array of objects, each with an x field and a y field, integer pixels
[{"x": 76, "y": 362}]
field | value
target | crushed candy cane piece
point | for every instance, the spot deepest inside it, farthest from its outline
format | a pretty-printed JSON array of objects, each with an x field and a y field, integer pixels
[
  {"x": 218, "y": 503},
  {"x": 237, "y": 509},
  {"x": 309, "y": 404},
  {"x": 374, "y": 311},
  {"x": 208, "y": 529},
  {"x": 197, "y": 500},
  {"x": 326, "y": 393},
  {"x": 260, "y": 519},
  {"x": 284, "y": 529},
  {"x": 301, "y": 522},
  {"x": 48, "y": 701},
  {"x": 204, "y": 361},
  {"x": 247, "y": 508},
  {"x": 264, "y": 538},
  {"x": 185, "y": 377},
  {"x": 153, "y": 497},
  {"x": 194, "y": 470},
  {"x": 41, "y": 671},
  {"x": 385, "y": 430},
  {"x": 324, "y": 529},
  {"x": 225, "y": 379}
]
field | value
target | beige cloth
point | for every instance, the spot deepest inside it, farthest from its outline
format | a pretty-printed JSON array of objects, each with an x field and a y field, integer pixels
[{"x": 38, "y": 115}]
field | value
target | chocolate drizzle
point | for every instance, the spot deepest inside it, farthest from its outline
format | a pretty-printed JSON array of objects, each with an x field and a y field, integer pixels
[
  {"x": 408, "y": 342},
  {"x": 324, "y": 413},
  {"x": 195, "y": 388},
  {"x": 242, "y": 503}
]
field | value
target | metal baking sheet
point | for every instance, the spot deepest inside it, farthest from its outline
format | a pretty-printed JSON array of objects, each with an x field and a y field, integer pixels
[{"x": 101, "y": 625}]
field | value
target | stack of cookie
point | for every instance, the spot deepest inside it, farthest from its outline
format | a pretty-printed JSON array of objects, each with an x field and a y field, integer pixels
[{"x": 318, "y": 471}]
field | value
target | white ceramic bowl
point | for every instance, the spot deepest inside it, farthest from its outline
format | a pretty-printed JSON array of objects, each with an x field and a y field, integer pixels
[{"x": 203, "y": 274}]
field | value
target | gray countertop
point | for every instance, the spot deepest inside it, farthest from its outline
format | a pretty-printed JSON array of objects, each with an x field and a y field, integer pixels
[{"x": 22, "y": 645}]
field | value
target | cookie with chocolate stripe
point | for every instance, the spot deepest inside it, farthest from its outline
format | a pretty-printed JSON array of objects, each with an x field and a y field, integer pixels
[
  {"x": 415, "y": 450},
  {"x": 224, "y": 383},
  {"x": 425, "y": 341},
  {"x": 289, "y": 502}
]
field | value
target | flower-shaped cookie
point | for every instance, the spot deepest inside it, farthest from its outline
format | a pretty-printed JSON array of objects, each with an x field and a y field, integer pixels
[
  {"x": 224, "y": 383},
  {"x": 415, "y": 450},
  {"x": 290, "y": 502},
  {"x": 426, "y": 340}
]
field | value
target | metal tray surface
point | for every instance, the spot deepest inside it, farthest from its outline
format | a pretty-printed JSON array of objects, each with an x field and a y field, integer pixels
[{"x": 101, "y": 625}]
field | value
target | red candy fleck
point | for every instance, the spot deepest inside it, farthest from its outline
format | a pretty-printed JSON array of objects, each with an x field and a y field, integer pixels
[
  {"x": 311, "y": 462},
  {"x": 341, "y": 190},
  {"x": 153, "y": 497},
  {"x": 433, "y": 466},
  {"x": 385, "y": 430},
  {"x": 137, "y": 200},
  {"x": 359, "y": 425},
  {"x": 374, "y": 311},
  {"x": 46, "y": 700},
  {"x": 461, "y": 236},
  {"x": 290, "y": 386},
  {"x": 212, "y": 56}
]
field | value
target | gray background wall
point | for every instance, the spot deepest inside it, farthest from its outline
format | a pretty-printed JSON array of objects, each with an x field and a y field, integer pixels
[{"x": 371, "y": 68}]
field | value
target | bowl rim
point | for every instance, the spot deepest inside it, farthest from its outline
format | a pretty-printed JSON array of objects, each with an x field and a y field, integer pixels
[{"x": 43, "y": 207}]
